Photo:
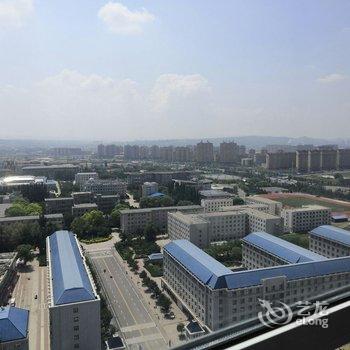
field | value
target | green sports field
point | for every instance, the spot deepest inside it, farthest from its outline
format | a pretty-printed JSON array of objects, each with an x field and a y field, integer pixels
[{"x": 298, "y": 201}]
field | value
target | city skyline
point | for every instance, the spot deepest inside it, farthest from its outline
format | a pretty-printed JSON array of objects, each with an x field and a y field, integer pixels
[{"x": 148, "y": 70}]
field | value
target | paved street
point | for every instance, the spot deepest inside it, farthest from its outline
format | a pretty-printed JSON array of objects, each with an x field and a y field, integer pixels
[
  {"x": 134, "y": 319},
  {"x": 33, "y": 281}
]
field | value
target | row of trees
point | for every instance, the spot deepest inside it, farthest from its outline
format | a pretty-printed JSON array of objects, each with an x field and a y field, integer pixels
[{"x": 162, "y": 300}]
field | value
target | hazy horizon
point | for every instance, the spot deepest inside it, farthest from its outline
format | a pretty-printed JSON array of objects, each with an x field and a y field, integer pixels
[{"x": 159, "y": 70}]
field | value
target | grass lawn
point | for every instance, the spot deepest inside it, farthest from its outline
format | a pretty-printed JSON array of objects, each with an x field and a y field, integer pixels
[{"x": 294, "y": 201}]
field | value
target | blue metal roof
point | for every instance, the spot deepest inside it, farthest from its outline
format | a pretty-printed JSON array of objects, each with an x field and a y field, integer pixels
[
  {"x": 13, "y": 323},
  {"x": 332, "y": 233},
  {"x": 203, "y": 266},
  {"x": 281, "y": 248},
  {"x": 156, "y": 194},
  {"x": 70, "y": 281},
  {"x": 216, "y": 276}
]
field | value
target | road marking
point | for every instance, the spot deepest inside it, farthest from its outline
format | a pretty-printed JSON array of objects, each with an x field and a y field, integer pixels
[
  {"x": 144, "y": 338},
  {"x": 138, "y": 327}
]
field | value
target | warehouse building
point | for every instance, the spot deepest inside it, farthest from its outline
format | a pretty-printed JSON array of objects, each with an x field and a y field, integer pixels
[
  {"x": 218, "y": 297},
  {"x": 260, "y": 249},
  {"x": 330, "y": 241},
  {"x": 74, "y": 306}
]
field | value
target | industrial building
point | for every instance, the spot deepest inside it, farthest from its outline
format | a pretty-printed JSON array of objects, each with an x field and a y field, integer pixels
[{"x": 74, "y": 306}]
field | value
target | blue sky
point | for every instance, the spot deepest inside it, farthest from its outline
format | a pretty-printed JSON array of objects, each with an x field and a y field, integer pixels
[{"x": 174, "y": 69}]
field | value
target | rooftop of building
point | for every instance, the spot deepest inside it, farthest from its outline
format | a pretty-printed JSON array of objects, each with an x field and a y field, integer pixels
[
  {"x": 29, "y": 217},
  {"x": 85, "y": 205},
  {"x": 13, "y": 324},
  {"x": 262, "y": 199},
  {"x": 70, "y": 280},
  {"x": 52, "y": 166},
  {"x": 146, "y": 210},
  {"x": 18, "y": 180},
  {"x": 309, "y": 207},
  {"x": 332, "y": 233},
  {"x": 6, "y": 260},
  {"x": 58, "y": 199},
  {"x": 261, "y": 214},
  {"x": 189, "y": 219},
  {"x": 281, "y": 248},
  {"x": 216, "y": 276},
  {"x": 215, "y": 194}
]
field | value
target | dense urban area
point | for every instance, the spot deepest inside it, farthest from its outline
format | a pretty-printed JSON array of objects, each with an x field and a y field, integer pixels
[{"x": 149, "y": 247}]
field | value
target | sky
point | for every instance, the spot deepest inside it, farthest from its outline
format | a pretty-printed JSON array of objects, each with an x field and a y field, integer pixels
[{"x": 166, "y": 69}]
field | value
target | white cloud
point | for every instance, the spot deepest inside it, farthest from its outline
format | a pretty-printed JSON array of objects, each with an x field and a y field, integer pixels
[
  {"x": 15, "y": 13},
  {"x": 119, "y": 19},
  {"x": 170, "y": 88},
  {"x": 331, "y": 78}
]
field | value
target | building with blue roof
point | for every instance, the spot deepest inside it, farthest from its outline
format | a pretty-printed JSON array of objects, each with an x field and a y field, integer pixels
[
  {"x": 218, "y": 297},
  {"x": 330, "y": 241},
  {"x": 260, "y": 249},
  {"x": 14, "y": 328},
  {"x": 74, "y": 303}
]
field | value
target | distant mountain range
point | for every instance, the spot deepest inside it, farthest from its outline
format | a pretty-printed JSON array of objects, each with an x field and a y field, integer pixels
[{"x": 253, "y": 141}]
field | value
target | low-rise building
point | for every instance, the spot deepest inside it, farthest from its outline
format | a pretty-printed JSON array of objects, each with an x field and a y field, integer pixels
[
  {"x": 14, "y": 328},
  {"x": 82, "y": 197},
  {"x": 74, "y": 305},
  {"x": 105, "y": 187},
  {"x": 55, "y": 219},
  {"x": 275, "y": 207},
  {"x": 215, "y": 194},
  {"x": 63, "y": 172},
  {"x": 330, "y": 241},
  {"x": 135, "y": 220},
  {"x": 59, "y": 205},
  {"x": 260, "y": 249},
  {"x": 306, "y": 218},
  {"x": 7, "y": 274},
  {"x": 81, "y": 209},
  {"x": 149, "y": 188},
  {"x": 215, "y": 204},
  {"x": 107, "y": 203},
  {"x": 203, "y": 229},
  {"x": 81, "y": 178},
  {"x": 218, "y": 297}
]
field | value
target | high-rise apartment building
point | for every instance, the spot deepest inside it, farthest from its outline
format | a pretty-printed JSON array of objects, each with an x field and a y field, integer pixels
[
  {"x": 204, "y": 152},
  {"x": 280, "y": 160},
  {"x": 131, "y": 152},
  {"x": 228, "y": 152}
]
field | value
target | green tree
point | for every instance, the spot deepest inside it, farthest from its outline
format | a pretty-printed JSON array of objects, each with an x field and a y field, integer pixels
[
  {"x": 150, "y": 233},
  {"x": 180, "y": 327},
  {"x": 164, "y": 302},
  {"x": 24, "y": 253}
]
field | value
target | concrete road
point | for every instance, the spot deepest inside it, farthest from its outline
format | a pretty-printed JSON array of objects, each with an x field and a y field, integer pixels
[
  {"x": 33, "y": 281},
  {"x": 133, "y": 316}
]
